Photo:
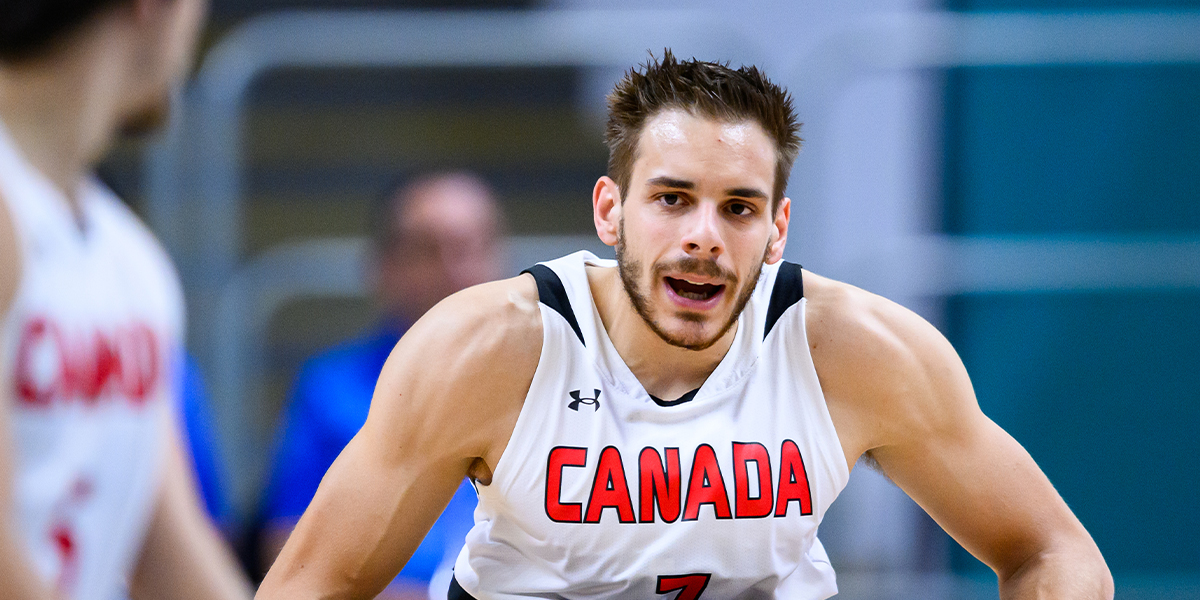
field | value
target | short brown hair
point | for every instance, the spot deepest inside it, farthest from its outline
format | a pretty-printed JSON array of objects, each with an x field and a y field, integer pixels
[
  {"x": 29, "y": 26},
  {"x": 703, "y": 88}
]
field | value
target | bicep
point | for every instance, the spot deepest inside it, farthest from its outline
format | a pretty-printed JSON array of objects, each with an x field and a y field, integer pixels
[
  {"x": 15, "y": 570},
  {"x": 974, "y": 479},
  {"x": 447, "y": 398},
  {"x": 387, "y": 486},
  {"x": 370, "y": 512},
  {"x": 182, "y": 556}
]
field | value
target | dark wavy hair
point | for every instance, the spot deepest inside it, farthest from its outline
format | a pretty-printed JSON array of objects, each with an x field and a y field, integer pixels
[
  {"x": 703, "y": 88},
  {"x": 29, "y": 26}
]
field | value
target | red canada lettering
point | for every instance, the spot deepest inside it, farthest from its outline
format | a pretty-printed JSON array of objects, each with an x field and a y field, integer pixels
[
  {"x": 37, "y": 333},
  {"x": 793, "y": 481},
  {"x": 610, "y": 488},
  {"x": 745, "y": 506},
  {"x": 560, "y": 458},
  {"x": 139, "y": 365},
  {"x": 659, "y": 485},
  {"x": 56, "y": 365},
  {"x": 706, "y": 486}
]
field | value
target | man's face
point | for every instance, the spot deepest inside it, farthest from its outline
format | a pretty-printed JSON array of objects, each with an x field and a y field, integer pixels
[
  {"x": 696, "y": 225},
  {"x": 447, "y": 236}
]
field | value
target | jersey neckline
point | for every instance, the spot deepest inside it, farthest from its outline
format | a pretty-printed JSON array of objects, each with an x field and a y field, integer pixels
[
  {"x": 28, "y": 180},
  {"x": 736, "y": 364}
]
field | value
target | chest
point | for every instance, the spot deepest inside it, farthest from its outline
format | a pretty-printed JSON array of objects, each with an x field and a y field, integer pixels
[
  {"x": 605, "y": 455},
  {"x": 94, "y": 320}
]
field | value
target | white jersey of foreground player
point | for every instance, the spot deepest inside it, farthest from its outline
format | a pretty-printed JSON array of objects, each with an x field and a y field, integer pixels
[
  {"x": 606, "y": 492},
  {"x": 90, "y": 344}
]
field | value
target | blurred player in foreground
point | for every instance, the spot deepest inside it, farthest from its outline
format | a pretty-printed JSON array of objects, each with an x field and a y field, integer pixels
[
  {"x": 675, "y": 423},
  {"x": 435, "y": 235},
  {"x": 95, "y": 493}
]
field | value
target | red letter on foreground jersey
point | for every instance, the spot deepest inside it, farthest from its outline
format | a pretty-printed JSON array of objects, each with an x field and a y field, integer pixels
[
  {"x": 659, "y": 484},
  {"x": 793, "y": 481},
  {"x": 706, "y": 486},
  {"x": 560, "y": 457},
  {"x": 609, "y": 488},
  {"x": 748, "y": 507}
]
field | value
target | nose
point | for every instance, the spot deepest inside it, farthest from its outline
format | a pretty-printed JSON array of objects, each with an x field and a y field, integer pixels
[{"x": 702, "y": 237}]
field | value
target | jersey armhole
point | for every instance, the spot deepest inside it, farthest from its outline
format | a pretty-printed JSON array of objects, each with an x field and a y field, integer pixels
[
  {"x": 553, "y": 294},
  {"x": 786, "y": 292}
]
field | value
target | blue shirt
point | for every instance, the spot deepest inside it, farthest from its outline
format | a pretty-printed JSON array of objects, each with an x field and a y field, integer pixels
[
  {"x": 200, "y": 435},
  {"x": 329, "y": 404}
]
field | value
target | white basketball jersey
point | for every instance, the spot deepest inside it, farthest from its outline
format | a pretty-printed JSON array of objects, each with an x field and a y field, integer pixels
[
  {"x": 607, "y": 492},
  {"x": 88, "y": 349}
]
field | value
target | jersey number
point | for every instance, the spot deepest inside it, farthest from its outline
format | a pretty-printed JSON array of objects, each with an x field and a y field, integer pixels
[{"x": 692, "y": 585}]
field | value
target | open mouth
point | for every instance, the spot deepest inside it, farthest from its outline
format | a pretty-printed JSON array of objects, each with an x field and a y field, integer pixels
[{"x": 694, "y": 291}]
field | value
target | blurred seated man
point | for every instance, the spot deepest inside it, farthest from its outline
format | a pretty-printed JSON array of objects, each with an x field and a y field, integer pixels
[{"x": 432, "y": 237}]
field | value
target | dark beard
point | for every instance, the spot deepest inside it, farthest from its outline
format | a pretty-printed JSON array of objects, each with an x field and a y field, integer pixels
[
  {"x": 629, "y": 269},
  {"x": 151, "y": 119}
]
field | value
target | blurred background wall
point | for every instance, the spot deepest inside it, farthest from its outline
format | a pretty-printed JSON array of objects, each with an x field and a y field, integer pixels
[
  {"x": 1025, "y": 174},
  {"x": 1099, "y": 385}
]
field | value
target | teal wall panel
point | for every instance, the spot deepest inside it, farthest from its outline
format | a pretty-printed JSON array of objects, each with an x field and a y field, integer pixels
[
  {"x": 1104, "y": 392},
  {"x": 1102, "y": 388}
]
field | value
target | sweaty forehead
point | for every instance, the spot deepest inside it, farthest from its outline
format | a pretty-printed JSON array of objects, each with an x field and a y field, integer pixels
[{"x": 679, "y": 133}]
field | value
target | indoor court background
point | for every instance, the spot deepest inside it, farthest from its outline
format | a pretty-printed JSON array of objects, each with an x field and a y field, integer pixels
[{"x": 1025, "y": 174}]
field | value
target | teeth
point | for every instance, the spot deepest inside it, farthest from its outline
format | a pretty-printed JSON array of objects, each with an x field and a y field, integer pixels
[{"x": 693, "y": 290}]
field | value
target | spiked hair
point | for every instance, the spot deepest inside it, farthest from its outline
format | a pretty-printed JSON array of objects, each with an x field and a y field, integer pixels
[{"x": 704, "y": 89}]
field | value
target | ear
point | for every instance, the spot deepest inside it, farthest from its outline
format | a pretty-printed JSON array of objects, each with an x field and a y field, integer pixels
[
  {"x": 606, "y": 209},
  {"x": 780, "y": 230}
]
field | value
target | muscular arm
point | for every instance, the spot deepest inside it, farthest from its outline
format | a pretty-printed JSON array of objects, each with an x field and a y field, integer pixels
[
  {"x": 898, "y": 391},
  {"x": 182, "y": 556},
  {"x": 20, "y": 580},
  {"x": 444, "y": 407}
]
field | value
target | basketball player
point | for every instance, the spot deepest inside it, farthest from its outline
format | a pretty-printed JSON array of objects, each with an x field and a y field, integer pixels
[
  {"x": 94, "y": 492},
  {"x": 674, "y": 424}
]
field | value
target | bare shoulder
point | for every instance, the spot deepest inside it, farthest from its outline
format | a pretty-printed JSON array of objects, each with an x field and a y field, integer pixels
[
  {"x": 10, "y": 261},
  {"x": 10, "y": 278},
  {"x": 887, "y": 374},
  {"x": 462, "y": 371}
]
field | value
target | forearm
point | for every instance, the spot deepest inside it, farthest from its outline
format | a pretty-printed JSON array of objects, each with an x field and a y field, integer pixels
[
  {"x": 1078, "y": 573},
  {"x": 182, "y": 557}
]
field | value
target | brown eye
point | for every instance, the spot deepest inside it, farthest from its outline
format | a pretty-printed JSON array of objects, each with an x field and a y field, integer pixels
[
  {"x": 739, "y": 209},
  {"x": 669, "y": 199}
]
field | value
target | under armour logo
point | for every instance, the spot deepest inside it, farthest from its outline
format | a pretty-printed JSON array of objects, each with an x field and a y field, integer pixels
[{"x": 594, "y": 401}]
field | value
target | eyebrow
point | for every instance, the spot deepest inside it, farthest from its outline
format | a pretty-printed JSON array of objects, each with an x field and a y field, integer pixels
[
  {"x": 683, "y": 184},
  {"x": 671, "y": 182},
  {"x": 746, "y": 193}
]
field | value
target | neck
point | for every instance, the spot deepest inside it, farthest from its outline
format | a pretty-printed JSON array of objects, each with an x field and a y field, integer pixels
[
  {"x": 664, "y": 370},
  {"x": 61, "y": 111}
]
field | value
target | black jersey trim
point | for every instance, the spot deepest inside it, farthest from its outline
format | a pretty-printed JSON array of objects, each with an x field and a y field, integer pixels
[
  {"x": 456, "y": 592},
  {"x": 789, "y": 289},
  {"x": 552, "y": 293},
  {"x": 676, "y": 402}
]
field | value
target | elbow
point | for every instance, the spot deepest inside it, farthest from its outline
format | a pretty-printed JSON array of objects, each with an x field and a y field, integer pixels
[{"x": 1075, "y": 571}]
